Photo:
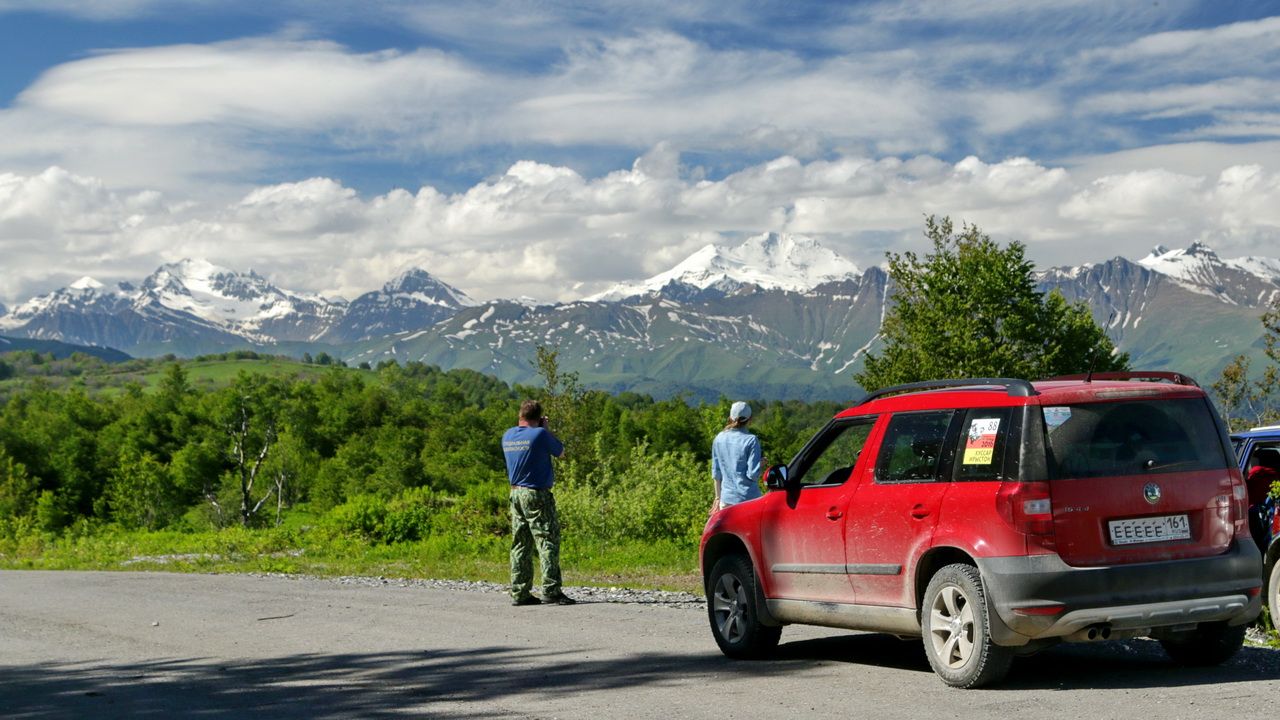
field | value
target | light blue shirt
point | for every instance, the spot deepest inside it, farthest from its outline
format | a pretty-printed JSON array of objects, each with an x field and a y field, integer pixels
[{"x": 735, "y": 464}]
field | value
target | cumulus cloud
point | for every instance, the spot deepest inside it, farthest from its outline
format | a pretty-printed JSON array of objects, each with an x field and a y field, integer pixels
[
  {"x": 845, "y": 122},
  {"x": 1005, "y": 78},
  {"x": 548, "y": 232},
  {"x": 191, "y": 113}
]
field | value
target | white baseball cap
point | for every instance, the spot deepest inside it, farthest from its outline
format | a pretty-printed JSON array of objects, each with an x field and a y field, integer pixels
[{"x": 739, "y": 411}]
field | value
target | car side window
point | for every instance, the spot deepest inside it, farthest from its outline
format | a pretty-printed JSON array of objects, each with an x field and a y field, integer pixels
[
  {"x": 1262, "y": 469},
  {"x": 914, "y": 447},
  {"x": 980, "y": 447},
  {"x": 831, "y": 457}
]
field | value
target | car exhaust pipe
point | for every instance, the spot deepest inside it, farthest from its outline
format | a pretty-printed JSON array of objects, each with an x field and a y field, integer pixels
[{"x": 1093, "y": 633}]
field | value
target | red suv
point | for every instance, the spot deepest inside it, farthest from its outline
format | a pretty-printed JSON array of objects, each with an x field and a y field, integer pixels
[{"x": 994, "y": 517}]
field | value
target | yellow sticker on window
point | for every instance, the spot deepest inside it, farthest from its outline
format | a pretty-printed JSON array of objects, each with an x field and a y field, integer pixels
[{"x": 980, "y": 444}]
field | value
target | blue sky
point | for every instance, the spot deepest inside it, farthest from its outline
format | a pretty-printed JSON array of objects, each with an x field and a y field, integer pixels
[{"x": 551, "y": 149}]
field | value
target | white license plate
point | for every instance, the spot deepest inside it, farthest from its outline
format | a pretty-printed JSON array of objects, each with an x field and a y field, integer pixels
[{"x": 1150, "y": 529}]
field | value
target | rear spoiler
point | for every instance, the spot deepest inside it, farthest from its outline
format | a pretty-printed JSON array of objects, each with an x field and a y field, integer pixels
[{"x": 1172, "y": 377}]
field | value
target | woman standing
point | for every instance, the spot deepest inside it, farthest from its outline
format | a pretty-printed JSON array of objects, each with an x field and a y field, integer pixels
[{"x": 735, "y": 460}]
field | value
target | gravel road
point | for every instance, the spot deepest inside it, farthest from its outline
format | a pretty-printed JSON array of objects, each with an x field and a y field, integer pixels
[{"x": 153, "y": 645}]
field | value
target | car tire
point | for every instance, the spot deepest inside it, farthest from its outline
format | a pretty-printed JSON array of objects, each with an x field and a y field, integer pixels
[
  {"x": 957, "y": 636},
  {"x": 1209, "y": 644},
  {"x": 731, "y": 608},
  {"x": 1273, "y": 593}
]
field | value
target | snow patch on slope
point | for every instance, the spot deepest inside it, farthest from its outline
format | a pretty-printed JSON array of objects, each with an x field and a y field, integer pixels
[
  {"x": 771, "y": 261},
  {"x": 1200, "y": 265}
]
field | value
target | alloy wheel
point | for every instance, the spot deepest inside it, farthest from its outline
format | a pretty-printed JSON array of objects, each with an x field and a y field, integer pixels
[
  {"x": 729, "y": 602},
  {"x": 951, "y": 627}
]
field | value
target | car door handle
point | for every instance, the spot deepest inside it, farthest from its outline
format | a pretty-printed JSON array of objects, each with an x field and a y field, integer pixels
[
  {"x": 921, "y": 512},
  {"x": 834, "y": 514}
]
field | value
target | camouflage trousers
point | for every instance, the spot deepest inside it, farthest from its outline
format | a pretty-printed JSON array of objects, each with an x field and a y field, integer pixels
[{"x": 534, "y": 524}]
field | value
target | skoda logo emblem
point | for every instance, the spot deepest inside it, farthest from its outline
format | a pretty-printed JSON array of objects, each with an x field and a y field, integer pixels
[{"x": 1151, "y": 492}]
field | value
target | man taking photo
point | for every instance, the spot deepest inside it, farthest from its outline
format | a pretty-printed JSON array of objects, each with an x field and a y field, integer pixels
[{"x": 529, "y": 447}]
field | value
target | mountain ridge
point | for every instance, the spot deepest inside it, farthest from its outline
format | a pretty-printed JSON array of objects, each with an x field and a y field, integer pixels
[
  {"x": 770, "y": 261},
  {"x": 709, "y": 325}
]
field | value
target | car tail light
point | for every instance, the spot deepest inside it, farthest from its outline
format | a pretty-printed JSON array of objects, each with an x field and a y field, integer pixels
[
  {"x": 1240, "y": 507},
  {"x": 1039, "y": 610},
  {"x": 1028, "y": 507}
]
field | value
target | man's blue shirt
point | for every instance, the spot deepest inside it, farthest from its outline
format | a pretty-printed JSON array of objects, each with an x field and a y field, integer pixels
[
  {"x": 735, "y": 462},
  {"x": 529, "y": 451}
]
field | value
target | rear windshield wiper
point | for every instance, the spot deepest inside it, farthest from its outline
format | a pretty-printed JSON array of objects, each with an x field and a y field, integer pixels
[{"x": 1151, "y": 465}]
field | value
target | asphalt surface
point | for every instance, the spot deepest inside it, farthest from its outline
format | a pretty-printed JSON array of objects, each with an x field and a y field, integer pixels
[{"x": 144, "y": 645}]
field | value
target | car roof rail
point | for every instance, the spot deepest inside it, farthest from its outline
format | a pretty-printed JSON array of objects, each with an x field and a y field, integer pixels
[
  {"x": 1014, "y": 386},
  {"x": 1265, "y": 427},
  {"x": 1173, "y": 377}
]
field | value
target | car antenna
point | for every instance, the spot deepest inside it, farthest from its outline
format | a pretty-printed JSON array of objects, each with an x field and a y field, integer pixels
[{"x": 1093, "y": 351}]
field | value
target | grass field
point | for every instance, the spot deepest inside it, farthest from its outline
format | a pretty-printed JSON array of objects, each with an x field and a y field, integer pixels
[
  {"x": 203, "y": 374},
  {"x": 312, "y": 551}
]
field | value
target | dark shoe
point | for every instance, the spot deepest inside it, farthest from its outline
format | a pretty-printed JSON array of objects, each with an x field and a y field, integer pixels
[
  {"x": 560, "y": 599},
  {"x": 527, "y": 600}
]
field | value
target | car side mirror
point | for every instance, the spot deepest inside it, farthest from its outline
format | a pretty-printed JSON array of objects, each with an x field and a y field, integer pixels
[{"x": 775, "y": 478}]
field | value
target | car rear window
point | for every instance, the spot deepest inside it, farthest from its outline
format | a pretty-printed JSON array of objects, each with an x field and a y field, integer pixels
[{"x": 1131, "y": 437}]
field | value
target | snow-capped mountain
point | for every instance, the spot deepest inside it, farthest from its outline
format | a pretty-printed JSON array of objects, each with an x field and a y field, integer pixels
[
  {"x": 778, "y": 316},
  {"x": 90, "y": 313},
  {"x": 191, "y": 303},
  {"x": 413, "y": 301},
  {"x": 194, "y": 306},
  {"x": 244, "y": 304},
  {"x": 771, "y": 261},
  {"x": 1248, "y": 281},
  {"x": 767, "y": 343}
]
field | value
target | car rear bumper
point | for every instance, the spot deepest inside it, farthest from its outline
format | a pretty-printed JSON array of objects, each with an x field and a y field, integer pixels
[{"x": 1123, "y": 598}]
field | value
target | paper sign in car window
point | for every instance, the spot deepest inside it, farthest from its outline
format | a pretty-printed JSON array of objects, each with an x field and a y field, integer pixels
[
  {"x": 1055, "y": 416},
  {"x": 979, "y": 445}
]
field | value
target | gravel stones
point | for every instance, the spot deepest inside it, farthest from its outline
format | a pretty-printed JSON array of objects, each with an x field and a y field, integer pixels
[{"x": 629, "y": 596}]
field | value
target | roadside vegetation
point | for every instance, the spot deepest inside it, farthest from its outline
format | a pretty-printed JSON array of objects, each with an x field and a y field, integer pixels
[
  {"x": 971, "y": 309},
  {"x": 1248, "y": 399},
  {"x": 245, "y": 462}
]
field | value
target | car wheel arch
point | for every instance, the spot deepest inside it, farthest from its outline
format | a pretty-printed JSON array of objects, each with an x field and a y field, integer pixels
[
  {"x": 1268, "y": 571},
  {"x": 719, "y": 546},
  {"x": 933, "y": 560}
]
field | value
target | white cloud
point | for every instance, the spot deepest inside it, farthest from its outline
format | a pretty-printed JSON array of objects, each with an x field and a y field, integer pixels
[
  {"x": 188, "y": 114},
  {"x": 260, "y": 83},
  {"x": 548, "y": 232},
  {"x": 96, "y": 9},
  {"x": 1238, "y": 43},
  {"x": 1175, "y": 100},
  {"x": 864, "y": 117}
]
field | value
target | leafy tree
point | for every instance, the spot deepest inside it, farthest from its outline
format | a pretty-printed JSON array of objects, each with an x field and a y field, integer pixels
[
  {"x": 140, "y": 493},
  {"x": 18, "y": 490},
  {"x": 248, "y": 414},
  {"x": 1233, "y": 391},
  {"x": 563, "y": 400},
  {"x": 288, "y": 468},
  {"x": 1245, "y": 401},
  {"x": 971, "y": 309}
]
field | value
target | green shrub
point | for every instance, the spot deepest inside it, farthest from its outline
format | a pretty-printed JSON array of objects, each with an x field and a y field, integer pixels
[
  {"x": 362, "y": 516},
  {"x": 657, "y": 497},
  {"x": 482, "y": 512},
  {"x": 409, "y": 516}
]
